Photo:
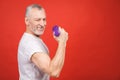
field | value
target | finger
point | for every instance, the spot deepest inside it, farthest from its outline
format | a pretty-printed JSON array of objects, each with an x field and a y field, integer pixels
[
  {"x": 60, "y": 29},
  {"x": 54, "y": 35}
]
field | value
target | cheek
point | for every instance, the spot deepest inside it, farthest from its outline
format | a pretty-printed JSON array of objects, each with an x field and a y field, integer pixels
[
  {"x": 45, "y": 22},
  {"x": 32, "y": 24}
]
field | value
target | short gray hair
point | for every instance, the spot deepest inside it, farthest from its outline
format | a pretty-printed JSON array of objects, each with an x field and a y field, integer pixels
[{"x": 39, "y": 7}]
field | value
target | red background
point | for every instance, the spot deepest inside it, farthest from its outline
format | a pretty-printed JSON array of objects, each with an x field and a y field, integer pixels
[{"x": 93, "y": 50}]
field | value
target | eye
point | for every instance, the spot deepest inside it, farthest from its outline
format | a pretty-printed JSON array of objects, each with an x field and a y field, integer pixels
[
  {"x": 37, "y": 19},
  {"x": 44, "y": 19}
]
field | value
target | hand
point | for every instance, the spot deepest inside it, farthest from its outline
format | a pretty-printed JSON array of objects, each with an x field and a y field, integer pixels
[{"x": 63, "y": 37}]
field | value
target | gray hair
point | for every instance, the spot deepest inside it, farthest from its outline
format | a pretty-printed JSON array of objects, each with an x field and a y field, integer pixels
[{"x": 28, "y": 9}]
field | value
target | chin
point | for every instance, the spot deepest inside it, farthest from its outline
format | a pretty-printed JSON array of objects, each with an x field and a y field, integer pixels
[{"x": 39, "y": 34}]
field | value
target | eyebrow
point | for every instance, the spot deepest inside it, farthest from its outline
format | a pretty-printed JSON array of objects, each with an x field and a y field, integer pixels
[{"x": 39, "y": 18}]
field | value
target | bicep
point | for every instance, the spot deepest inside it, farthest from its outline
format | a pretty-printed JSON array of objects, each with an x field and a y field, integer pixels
[{"x": 42, "y": 61}]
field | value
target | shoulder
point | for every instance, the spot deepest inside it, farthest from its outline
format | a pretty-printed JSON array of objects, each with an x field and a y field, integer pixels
[
  {"x": 28, "y": 39},
  {"x": 28, "y": 42}
]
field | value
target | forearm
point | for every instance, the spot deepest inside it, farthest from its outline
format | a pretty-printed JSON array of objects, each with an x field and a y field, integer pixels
[
  {"x": 61, "y": 63},
  {"x": 58, "y": 60}
]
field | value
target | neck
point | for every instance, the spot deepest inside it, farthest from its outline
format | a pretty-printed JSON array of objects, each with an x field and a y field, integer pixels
[{"x": 32, "y": 33}]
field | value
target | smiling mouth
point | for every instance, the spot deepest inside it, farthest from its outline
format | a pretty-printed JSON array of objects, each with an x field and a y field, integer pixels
[{"x": 40, "y": 29}]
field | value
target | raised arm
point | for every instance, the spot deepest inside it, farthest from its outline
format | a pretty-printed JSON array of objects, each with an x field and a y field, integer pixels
[{"x": 52, "y": 67}]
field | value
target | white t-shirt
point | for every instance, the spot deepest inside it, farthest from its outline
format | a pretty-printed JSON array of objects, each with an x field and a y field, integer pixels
[{"x": 29, "y": 44}]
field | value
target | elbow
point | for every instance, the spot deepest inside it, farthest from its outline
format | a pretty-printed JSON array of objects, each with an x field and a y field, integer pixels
[
  {"x": 55, "y": 71},
  {"x": 54, "y": 74}
]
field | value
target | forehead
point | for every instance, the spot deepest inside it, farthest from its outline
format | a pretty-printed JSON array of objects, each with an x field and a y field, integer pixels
[{"x": 36, "y": 13}]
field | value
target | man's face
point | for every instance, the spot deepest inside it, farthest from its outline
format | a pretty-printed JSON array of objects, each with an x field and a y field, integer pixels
[{"x": 36, "y": 22}]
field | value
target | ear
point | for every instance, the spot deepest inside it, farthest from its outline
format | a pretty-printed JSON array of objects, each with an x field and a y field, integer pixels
[{"x": 26, "y": 21}]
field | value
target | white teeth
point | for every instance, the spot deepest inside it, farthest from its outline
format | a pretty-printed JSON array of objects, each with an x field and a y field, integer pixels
[{"x": 40, "y": 29}]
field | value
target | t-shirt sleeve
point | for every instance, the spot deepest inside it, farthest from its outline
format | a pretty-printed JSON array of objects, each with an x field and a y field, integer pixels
[{"x": 31, "y": 48}]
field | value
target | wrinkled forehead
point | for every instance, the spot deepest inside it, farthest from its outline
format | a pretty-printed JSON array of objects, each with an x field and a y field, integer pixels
[{"x": 36, "y": 13}]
